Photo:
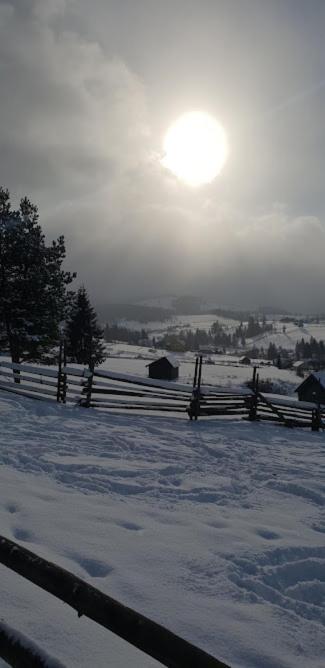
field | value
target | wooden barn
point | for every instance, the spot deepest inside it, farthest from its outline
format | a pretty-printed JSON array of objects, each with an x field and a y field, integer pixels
[
  {"x": 165, "y": 368},
  {"x": 313, "y": 388},
  {"x": 245, "y": 360}
]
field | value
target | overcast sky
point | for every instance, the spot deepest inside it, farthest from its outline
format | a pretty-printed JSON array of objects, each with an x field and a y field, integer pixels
[{"x": 88, "y": 90}]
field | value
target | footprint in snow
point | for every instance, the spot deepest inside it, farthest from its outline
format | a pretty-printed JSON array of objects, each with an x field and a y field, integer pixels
[
  {"x": 218, "y": 524},
  {"x": 22, "y": 534},
  {"x": 93, "y": 567},
  {"x": 267, "y": 534},
  {"x": 292, "y": 578},
  {"x": 130, "y": 526},
  {"x": 12, "y": 507}
]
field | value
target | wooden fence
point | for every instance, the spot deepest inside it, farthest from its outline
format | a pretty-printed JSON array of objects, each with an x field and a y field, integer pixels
[
  {"x": 107, "y": 390},
  {"x": 138, "y": 630},
  {"x": 253, "y": 405}
]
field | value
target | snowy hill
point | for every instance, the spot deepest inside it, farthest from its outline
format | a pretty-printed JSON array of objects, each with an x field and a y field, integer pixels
[
  {"x": 214, "y": 529},
  {"x": 292, "y": 334}
]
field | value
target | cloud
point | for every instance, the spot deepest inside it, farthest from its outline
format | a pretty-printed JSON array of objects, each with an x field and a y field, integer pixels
[
  {"x": 68, "y": 115},
  {"x": 76, "y": 135}
]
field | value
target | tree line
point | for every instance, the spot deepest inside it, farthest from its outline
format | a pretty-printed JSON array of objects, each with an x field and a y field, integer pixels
[
  {"x": 216, "y": 336},
  {"x": 38, "y": 308},
  {"x": 115, "y": 332}
]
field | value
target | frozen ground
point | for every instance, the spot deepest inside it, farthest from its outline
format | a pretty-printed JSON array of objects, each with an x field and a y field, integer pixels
[{"x": 215, "y": 529}]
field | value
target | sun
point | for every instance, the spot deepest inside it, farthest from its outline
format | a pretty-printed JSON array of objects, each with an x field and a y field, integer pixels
[{"x": 195, "y": 148}]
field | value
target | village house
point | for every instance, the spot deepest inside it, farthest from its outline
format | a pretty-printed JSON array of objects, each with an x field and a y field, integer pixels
[
  {"x": 306, "y": 365},
  {"x": 312, "y": 388}
]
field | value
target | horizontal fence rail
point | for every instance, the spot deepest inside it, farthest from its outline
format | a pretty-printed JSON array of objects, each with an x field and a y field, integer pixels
[
  {"x": 18, "y": 651},
  {"x": 138, "y": 630},
  {"x": 108, "y": 390}
]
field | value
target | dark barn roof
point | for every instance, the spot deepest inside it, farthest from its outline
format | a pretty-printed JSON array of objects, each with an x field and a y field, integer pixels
[
  {"x": 318, "y": 376},
  {"x": 170, "y": 359},
  {"x": 165, "y": 368},
  {"x": 312, "y": 388}
]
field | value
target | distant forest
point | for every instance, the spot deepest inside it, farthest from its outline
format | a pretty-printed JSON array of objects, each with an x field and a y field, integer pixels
[
  {"x": 188, "y": 339},
  {"x": 218, "y": 339}
]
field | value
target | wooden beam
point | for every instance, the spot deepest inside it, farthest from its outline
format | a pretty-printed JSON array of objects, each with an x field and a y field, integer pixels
[
  {"x": 274, "y": 409},
  {"x": 20, "y": 652},
  {"x": 140, "y": 631}
]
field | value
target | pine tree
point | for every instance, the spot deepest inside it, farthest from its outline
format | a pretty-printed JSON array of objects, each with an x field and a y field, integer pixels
[
  {"x": 33, "y": 291},
  {"x": 83, "y": 334}
]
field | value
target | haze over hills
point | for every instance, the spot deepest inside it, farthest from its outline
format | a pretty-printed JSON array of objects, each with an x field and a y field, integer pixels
[{"x": 164, "y": 307}]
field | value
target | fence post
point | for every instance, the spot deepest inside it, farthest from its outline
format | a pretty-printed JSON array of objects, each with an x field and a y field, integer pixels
[
  {"x": 89, "y": 387},
  {"x": 58, "y": 391},
  {"x": 195, "y": 372},
  {"x": 316, "y": 418},
  {"x": 194, "y": 408},
  {"x": 253, "y": 403},
  {"x": 64, "y": 375},
  {"x": 197, "y": 391}
]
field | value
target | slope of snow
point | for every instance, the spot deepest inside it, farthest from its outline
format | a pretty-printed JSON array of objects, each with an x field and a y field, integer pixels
[
  {"x": 215, "y": 529},
  {"x": 291, "y": 336}
]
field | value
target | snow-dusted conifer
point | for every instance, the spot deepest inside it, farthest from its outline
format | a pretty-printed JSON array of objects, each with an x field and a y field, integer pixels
[
  {"x": 84, "y": 336},
  {"x": 33, "y": 285}
]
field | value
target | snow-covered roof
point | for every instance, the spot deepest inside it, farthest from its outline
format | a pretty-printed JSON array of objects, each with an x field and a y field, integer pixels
[
  {"x": 320, "y": 376},
  {"x": 298, "y": 364},
  {"x": 173, "y": 361}
]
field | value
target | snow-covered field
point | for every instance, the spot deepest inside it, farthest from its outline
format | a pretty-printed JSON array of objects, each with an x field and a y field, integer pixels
[
  {"x": 215, "y": 529},
  {"x": 225, "y": 372}
]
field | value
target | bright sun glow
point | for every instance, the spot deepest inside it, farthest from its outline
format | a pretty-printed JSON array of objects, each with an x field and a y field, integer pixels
[{"x": 195, "y": 148}]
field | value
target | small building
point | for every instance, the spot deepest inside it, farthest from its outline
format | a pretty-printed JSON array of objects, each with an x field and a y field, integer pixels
[
  {"x": 165, "y": 368},
  {"x": 286, "y": 363},
  {"x": 312, "y": 388},
  {"x": 245, "y": 360},
  {"x": 306, "y": 365}
]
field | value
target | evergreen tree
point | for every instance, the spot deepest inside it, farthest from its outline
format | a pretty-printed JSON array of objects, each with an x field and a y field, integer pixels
[
  {"x": 272, "y": 352},
  {"x": 83, "y": 333},
  {"x": 33, "y": 284}
]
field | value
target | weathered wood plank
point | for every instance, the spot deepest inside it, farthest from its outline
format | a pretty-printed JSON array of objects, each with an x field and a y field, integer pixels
[
  {"x": 29, "y": 388},
  {"x": 38, "y": 380},
  {"x": 13, "y": 388},
  {"x": 40, "y": 371},
  {"x": 138, "y": 630}
]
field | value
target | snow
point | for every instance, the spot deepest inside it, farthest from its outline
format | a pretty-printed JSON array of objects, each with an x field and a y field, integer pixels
[
  {"x": 291, "y": 336},
  {"x": 226, "y": 371},
  {"x": 214, "y": 529}
]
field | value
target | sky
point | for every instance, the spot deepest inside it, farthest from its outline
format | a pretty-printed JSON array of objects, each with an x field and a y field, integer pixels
[{"x": 88, "y": 91}]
